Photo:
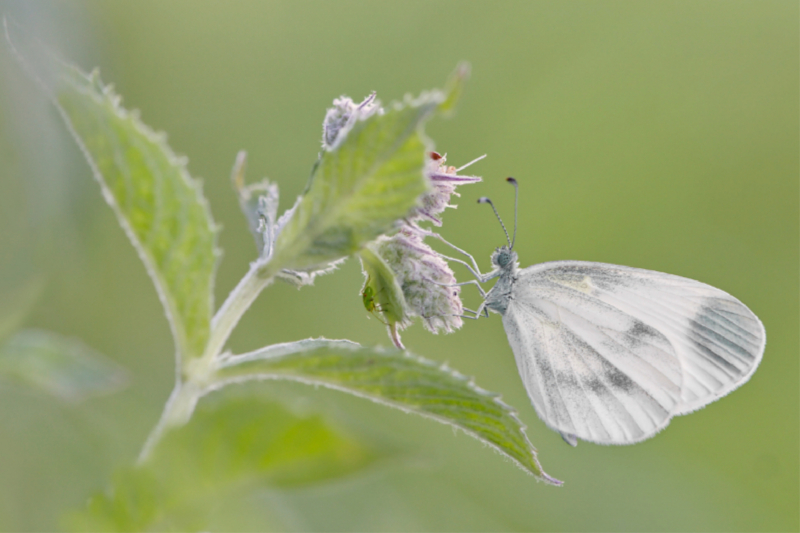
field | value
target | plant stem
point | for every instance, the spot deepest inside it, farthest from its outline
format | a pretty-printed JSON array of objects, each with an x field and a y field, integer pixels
[
  {"x": 239, "y": 300},
  {"x": 177, "y": 411},
  {"x": 191, "y": 381}
]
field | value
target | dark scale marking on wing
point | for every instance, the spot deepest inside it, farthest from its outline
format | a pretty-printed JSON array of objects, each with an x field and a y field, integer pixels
[
  {"x": 616, "y": 389},
  {"x": 711, "y": 334},
  {"x": 611, "y": 387},
  {"x": 739, "y": 331},
  {"x": 704, "y": 328},
  {"x": 640, "y": 333},
  {"x": 558, "y": 403},
  {"x": 676, "y": 329},
  {"x": 703, "y": 346},
  {"x": 724, "y": 333},
  {"x": 620, "y": 381},
  {"x": 592, "y": 427},
  {"x": 567, "y": 379},
  {"x": 734, "y": 337},
  {"x": 636, "y": 337},
  {"x": 713, "y": 316},
  {"x": 689, "y": 342},
  {"x": 677, "y": 335},
  {"x": 604, "y": 391},
  {"x": 699, "y": 376},
  {"x": 595, "y": 385}
]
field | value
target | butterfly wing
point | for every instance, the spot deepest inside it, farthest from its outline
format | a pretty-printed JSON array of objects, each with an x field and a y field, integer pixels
[{"x": 610, "y": 353}]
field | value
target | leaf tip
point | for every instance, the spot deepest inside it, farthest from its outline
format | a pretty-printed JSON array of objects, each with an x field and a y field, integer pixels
[
  {"x": 237, "y": 173},
  {"x": 454, "y": 87}
]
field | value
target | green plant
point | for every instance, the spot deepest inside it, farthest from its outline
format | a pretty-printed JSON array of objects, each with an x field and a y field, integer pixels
[{"x": 371, "y": 183}]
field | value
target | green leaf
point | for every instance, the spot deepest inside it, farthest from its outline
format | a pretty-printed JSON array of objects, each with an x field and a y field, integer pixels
[
  {"x": 383, "y": 289},
  {"x": 159, "y": 205},
  {"x": 454, "y": 88},
  {"x": 16, "y": 303},
  {"x": 234, "y": 445},
  {"x": 156, "y": 201},
  {"x": 397, "y": 379},
  {"x": 359, "y": 190},
  {"x": 259, "y": 204},
  {"x": 65, "y": 368}
]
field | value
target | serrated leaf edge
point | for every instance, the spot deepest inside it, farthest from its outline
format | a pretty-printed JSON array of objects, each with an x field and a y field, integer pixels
[
  {"x": 159, "y": 138},
  {"x": 459, "y": 377},
  {"x": 106, "y": 92},
  {"x": 103, "y": 95}
]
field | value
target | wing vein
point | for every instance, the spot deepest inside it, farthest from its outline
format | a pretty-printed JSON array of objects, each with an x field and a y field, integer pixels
[
  {"x": 606, "y": 386},
  {"x": 557, "y": 385}
]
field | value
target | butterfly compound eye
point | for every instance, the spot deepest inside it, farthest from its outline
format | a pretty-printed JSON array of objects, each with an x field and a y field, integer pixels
[{"x": 502, "y": 257}]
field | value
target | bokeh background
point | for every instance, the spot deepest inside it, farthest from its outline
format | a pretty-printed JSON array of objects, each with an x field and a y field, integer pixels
[{"x": 661, "y": 135}]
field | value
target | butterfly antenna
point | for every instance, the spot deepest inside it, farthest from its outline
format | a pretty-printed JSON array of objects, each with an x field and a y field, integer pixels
[
  {"x": 513, "y": 182},
  {"x": 484, "y": 200}
]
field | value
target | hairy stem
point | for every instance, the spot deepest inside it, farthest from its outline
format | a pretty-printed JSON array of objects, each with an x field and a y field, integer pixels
[
  {"x": 239, "y": 300},
  {"x": 176, "y": 412},
  {"x": 192, "y": 380}
]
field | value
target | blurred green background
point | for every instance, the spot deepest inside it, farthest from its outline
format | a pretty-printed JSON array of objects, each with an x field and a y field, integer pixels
[{"x": 661, "y": 135}]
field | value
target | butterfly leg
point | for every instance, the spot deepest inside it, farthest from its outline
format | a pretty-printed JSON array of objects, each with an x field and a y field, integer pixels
[
  {"x": 462, "y": 252},
  {"x": 482, "y": 278},
  {"x": 473, "y": 268},
  {"x": 474, "y": 282},
  {"x": 478, "y": 314},
  {"x": 459, "y": 316},
  {"x": 482, "y": 310},
  {"x": 470, "y": 282}
]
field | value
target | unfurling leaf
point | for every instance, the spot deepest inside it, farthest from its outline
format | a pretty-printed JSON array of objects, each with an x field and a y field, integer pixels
[
  {"x": 259, "y": 203},
  {"x": 397, "y": 379}
]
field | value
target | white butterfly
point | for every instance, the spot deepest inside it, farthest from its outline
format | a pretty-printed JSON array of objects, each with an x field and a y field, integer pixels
[{"x": 609, "y": 354}]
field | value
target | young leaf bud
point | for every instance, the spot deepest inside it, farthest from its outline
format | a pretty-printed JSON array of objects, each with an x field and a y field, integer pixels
[{"x": 340, "y": 118}]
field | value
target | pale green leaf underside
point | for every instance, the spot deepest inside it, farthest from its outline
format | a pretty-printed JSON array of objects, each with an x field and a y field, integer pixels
[
  {"x": 62, "y": 367},
  {"x": 159, "y": 205},
  {"x": 359, "y": 190},
  {"x": 387, "y": 295},
  {"x": 399, "y": 380},
  {"x": 233, "y": 445}
]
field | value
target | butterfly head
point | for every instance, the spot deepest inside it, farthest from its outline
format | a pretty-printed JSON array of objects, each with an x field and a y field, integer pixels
[{"x": 504, "y": 257}]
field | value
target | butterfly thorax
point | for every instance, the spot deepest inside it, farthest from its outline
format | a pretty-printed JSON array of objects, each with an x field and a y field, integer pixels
[{"x": 505, "y": 260}]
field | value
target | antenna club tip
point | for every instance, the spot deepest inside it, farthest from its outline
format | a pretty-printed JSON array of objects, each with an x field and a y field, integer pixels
[{"x": 511, "y": 180}]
